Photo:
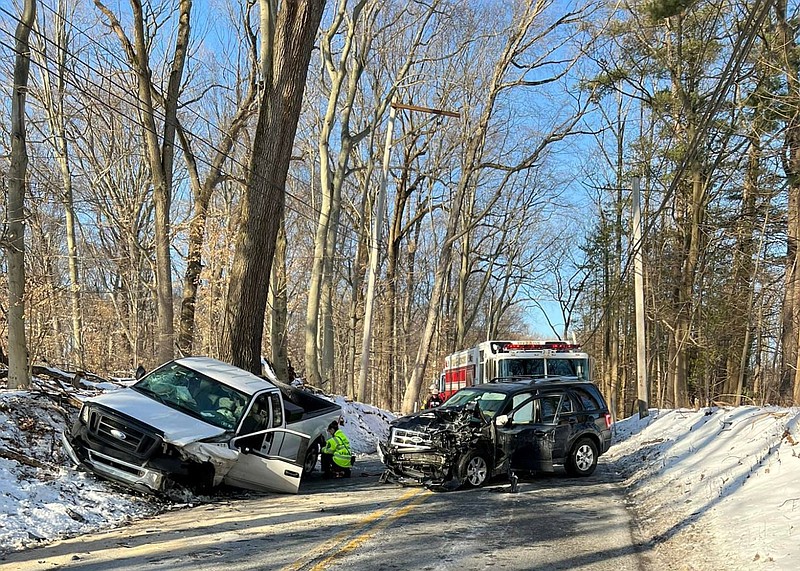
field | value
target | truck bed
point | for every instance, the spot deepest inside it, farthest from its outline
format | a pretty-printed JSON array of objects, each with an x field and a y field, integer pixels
[{"x": 301, "y": 405}]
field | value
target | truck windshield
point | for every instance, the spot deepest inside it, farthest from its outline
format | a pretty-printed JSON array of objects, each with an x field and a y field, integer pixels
[
  {"x": 488, "y": 401},
  {"x": 555, "y": 367},
  {"x": 194, "y": 394}
]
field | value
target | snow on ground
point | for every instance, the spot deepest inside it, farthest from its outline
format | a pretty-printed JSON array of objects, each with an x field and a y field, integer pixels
[
  {"x": 718, "y": 488},
  {"x": 40, "y": 497}
]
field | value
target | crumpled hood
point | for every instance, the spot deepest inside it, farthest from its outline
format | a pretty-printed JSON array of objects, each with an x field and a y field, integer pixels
[
  {"x": 177, "y": 427},
  {"x": 432, "y": 419}
]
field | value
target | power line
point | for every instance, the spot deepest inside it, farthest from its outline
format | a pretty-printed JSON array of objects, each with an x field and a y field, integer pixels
[{"x": 157, "y": 113}]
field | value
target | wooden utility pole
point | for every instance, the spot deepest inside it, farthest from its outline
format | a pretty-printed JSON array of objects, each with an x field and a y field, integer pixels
[
  {"x": 377, "y": 226},
  {"x": 380, "y": 208},
  {"x": 638, "y": 280}
]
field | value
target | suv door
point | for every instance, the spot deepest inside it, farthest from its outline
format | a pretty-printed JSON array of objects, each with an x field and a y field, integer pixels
[
  {"x": 270, "y": 460},
  {"x": 533, "y": 435}
]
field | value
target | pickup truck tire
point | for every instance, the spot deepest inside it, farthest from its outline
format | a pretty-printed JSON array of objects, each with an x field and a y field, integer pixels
[
  {"x": 473, "y": 469},
  {"x": 582, "y": 459},
  {"x": 310, "y": 462}
]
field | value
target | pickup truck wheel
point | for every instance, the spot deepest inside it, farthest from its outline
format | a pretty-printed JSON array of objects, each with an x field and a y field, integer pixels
[
  {"x": 582, "y": 458},
  {"x": 473, "y": 470},
  {"x": 310, "y": 462}
]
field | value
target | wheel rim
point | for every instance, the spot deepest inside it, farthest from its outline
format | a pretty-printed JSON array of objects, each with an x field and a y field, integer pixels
[
  {"x": 476, "y": 471},
  {"x": 584, "y": 457},
  {"x": 311, "y": 460}
]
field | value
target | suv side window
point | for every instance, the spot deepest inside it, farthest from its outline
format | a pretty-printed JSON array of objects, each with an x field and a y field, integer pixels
[
  {"x": 541, "y": 410},
  {"x": 566, "y": 405},
  {"x": 522, "y": 408},
  {"x": 524, "y": 414},
  {"x": 587, "y": 400},
  {"x": 549, "y": 407}
]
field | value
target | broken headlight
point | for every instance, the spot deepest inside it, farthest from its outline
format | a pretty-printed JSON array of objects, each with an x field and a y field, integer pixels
[{"x": 84, "y": 414}]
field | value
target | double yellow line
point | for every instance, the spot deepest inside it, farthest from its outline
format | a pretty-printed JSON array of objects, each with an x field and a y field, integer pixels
[{"x": 350, "y": 539}]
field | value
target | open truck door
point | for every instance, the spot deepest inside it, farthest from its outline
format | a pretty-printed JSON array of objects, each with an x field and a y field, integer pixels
[{"x": 271, "y": 460}]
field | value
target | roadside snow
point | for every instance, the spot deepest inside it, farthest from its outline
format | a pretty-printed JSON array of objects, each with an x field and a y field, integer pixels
[
  {"x": 711, "y": 489},
  {"x": 40, "y": 498},
  {"x": 719, "y": 486}
]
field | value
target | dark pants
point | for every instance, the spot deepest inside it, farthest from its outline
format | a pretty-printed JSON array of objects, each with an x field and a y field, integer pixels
[{"x": 329, "y": 467}]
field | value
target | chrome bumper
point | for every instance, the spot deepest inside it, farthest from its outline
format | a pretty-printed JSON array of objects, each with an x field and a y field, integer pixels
[{"x": 131, "y": 475}]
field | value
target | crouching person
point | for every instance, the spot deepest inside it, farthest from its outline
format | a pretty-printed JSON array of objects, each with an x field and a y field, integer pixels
[{"x": 336, "y": 456}]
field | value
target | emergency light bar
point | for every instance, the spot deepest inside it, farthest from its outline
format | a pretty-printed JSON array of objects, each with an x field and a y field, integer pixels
[{"x": 554, "y": 345}]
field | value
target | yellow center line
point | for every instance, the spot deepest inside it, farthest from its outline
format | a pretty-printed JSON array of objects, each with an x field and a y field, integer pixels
[
  {"x": 362, "y": 537},
  {"x": 331, "y": 544}
]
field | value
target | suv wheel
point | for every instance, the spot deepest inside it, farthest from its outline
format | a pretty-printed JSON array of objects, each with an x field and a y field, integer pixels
[
  {"x": 473, "y": 470},
  {"x": 582, "y": 458}
]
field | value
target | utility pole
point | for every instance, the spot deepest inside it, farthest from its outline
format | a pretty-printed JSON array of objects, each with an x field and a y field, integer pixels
[
  {"x": 638, "y": 282},
  {"x": 377, "y": 226}
]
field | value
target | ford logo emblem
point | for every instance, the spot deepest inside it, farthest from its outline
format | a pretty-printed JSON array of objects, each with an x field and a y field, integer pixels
[
  {"x": 416, "y": 439},
  {"x": 118, "y": 434}
]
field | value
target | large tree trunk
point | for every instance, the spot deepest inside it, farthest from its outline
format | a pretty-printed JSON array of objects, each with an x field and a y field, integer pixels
[
  {"x": 18, "y": 374},
  {"x": 262, "y": 207}
]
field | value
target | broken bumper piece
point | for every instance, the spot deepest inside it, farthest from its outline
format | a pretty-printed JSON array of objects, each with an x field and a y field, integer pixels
[
  {"x": 131, "y": 475},
  {"x": 417, "y": 468}
]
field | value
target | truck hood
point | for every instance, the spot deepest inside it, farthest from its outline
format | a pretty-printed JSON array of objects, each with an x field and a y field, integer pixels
[{"x": 176, "y": 427}]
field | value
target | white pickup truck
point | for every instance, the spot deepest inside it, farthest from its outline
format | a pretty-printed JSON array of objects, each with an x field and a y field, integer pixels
[{"x": 198, "y": 422}]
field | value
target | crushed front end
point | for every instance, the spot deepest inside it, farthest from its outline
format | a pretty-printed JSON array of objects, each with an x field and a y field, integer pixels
[
  {"x": 424, "y": 448},
  {"x": 139, "y": 456}
]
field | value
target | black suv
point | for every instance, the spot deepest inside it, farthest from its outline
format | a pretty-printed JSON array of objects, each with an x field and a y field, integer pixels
[{"x": 507, "y": 426}]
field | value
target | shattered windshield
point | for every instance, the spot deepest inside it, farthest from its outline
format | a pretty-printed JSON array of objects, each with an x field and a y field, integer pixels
[
  {"x": 488, "y": 401},
  {"x": 194, "y": 394}
]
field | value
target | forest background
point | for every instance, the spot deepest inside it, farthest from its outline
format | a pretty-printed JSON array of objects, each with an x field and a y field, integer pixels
[{"x": 460, "y": 171}]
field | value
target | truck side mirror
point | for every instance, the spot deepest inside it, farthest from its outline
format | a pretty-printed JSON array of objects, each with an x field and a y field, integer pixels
[{"x": 502, "y": 420}]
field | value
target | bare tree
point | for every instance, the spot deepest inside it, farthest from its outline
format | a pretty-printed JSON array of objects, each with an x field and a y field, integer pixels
[
  {"x": 14, "y": 241},
  {"x": 160, "y": 153},
  {"x": 289, "y": 52},
  {"x": 204, "y": 185},
  {"x": 509, "y": 72},
  {"x": 332, "y": 176},
  {"x": 53, "y": 99}
]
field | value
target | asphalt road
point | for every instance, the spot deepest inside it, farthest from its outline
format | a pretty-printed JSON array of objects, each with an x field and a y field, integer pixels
[{"x": 358, "y": 524}]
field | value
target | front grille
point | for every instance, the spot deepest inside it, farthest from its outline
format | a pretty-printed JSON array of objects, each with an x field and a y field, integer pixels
[
  {"x": 123, "y": 434},
  {"x": 421, "y": 459},
  {"x": 410, "y": 439}
]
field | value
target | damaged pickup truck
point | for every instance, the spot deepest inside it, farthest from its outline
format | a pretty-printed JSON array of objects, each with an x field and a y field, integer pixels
[
  {"x": 197, "y": 423},
  {"x": 508, "y": 427}
]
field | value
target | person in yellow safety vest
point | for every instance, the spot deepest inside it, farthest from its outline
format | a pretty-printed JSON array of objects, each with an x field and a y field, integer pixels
[{"x": 336, "y": 457}]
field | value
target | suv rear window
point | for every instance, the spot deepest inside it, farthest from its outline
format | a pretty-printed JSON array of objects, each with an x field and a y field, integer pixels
[{"x": 588, "y": 400}]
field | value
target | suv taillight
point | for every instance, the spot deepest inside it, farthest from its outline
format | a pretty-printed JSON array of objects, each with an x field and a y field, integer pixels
[{"x": 608, "y": 420}]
